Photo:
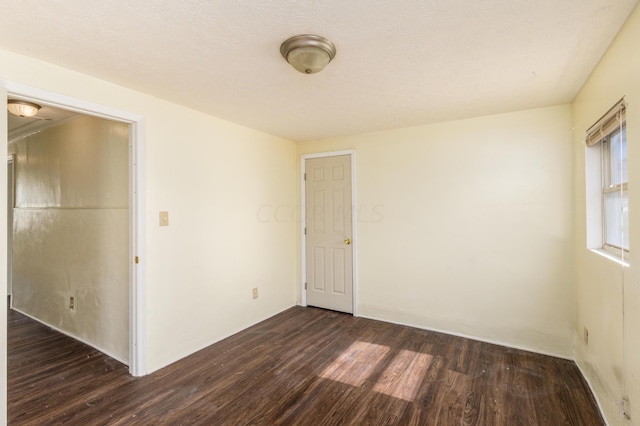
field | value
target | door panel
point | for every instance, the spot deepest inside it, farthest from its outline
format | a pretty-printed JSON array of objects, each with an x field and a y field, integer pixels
[{"x": 329, "y": 251}]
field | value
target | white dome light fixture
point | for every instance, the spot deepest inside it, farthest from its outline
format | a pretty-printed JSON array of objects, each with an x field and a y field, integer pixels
[
  {"x": 308, "y": 53},
  {"x": 22, "y": 108}
]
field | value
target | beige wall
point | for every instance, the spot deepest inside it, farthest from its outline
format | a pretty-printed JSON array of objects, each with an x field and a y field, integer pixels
[
  {"x": 473, "y": 227},
  {"x": 603, "y": 287},
  {"x": 71, "y": 230},
  {"x": 212, "y": 177},
  {"x": 466, "y": 227}
]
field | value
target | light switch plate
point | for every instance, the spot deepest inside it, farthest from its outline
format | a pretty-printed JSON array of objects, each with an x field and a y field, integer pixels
[{"x": 164, "y": 218}]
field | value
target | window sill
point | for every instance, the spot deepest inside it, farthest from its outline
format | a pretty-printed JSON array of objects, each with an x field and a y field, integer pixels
[{"x": 615, "y": 258}]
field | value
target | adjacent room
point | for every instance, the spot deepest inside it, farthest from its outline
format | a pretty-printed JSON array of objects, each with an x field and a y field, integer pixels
[{"x": 422, "y": 211}]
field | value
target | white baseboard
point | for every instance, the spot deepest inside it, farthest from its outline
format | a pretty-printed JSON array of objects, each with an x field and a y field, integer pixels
[
  {"x": 595, "y": 395},
  {"x": 479, "y": 339},
  {"x": 66, "y": 333}
]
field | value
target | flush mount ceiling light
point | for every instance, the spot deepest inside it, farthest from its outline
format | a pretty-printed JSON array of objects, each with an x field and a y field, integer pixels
[
  {"x": 22, "y": 108},
  {"x": 308, "y": 53}
]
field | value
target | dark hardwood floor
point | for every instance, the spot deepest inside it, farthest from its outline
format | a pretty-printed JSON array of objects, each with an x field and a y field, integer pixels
[{"x": 305, "y": 366}]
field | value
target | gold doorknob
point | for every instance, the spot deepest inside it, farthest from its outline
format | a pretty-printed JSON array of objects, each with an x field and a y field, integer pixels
[{"x": 347, "y": 241}]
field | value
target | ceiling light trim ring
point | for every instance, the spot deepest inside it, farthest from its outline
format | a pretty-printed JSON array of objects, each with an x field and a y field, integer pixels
[{"x": 306, "y": 40}]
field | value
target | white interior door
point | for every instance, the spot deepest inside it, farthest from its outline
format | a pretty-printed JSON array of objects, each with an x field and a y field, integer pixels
[{"x": 329, "y": 249}]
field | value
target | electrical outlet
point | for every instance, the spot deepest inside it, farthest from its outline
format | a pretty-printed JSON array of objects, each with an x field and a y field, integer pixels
[
  {"x": 255, "y": 293},
  {"x": 586, "y": 336},
  {"x": 72, "y": 303}
]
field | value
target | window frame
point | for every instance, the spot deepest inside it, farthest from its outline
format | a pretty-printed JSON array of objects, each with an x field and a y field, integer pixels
[{"x": 608, "y": 187}]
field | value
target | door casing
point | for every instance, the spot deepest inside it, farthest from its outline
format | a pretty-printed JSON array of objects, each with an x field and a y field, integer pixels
[
  {"x": 354, "y": 237},
  {"x": 11, "y": 194}
]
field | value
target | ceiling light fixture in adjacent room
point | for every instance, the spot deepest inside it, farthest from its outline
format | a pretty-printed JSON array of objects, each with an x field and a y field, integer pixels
[
  {"x": 308, "y": 53},
  {"x": 22, "y": 108}
]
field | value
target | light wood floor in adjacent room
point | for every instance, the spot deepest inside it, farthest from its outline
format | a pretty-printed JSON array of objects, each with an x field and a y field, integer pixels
[{"x": 305, "y": 366}]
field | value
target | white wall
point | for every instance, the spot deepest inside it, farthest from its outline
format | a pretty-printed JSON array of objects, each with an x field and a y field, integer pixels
[
  {"x": 603, "y": 288},
  {"x": 212, "y": 177},
  {"x": 466, "y": 227},
  {"x": 71, "y": 230}
]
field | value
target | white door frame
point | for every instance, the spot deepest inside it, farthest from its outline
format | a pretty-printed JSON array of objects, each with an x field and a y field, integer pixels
[
  {"x": 354, "y": 237},
  {"x": 11, "y": 194},
  {"x": 137, "y": 195}
]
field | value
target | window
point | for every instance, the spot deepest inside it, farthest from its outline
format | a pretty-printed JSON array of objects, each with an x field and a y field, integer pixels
[{"x": 607, "y": 195}]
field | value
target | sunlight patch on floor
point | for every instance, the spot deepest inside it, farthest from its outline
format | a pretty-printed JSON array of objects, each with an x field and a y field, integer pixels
[
  {"x": 401, "y": 379},
  {"x": 356, "y": 363},
  {"x": 404, "y": 375}
]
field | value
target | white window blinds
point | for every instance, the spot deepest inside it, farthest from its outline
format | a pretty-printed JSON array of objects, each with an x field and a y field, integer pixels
[{"x": 610, "y": 121}]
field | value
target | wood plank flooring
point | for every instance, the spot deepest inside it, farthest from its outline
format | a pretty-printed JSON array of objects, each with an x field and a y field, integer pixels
[{"x": 305, "y": 366}]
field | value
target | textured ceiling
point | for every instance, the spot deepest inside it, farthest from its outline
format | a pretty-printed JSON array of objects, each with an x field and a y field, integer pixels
[{"x": 398, "y": 63}]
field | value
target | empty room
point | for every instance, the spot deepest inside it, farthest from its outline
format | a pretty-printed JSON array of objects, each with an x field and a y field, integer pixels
[{"x": 310, "y": 212}]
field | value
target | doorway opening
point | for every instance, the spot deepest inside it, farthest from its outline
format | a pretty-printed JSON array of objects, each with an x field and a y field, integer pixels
[{"x": 131, "y": 128}]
